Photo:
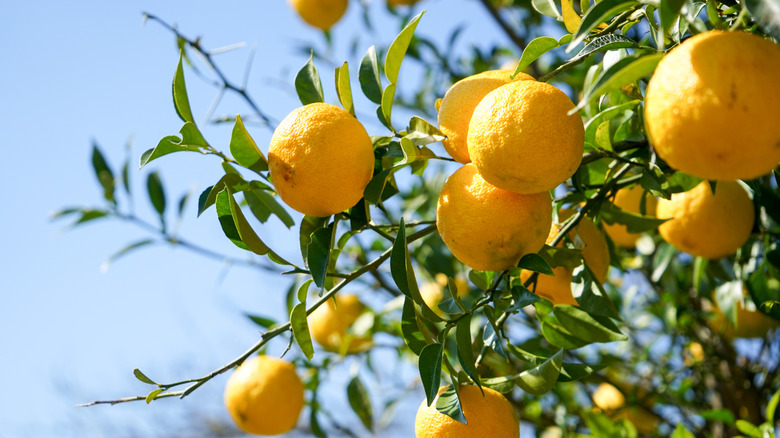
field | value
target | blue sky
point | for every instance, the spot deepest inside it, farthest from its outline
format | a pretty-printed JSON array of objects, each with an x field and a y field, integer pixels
[{"x": 74, "y": 73}]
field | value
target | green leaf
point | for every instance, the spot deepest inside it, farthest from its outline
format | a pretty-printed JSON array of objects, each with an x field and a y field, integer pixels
[
  {"x": 343, "y": 88},
  {"x": 397, "y": 51},
  {"x": 191, "y": 136},
  {"x": 387, "y": 105},
  {"x": 262, "y": 321},
  {"x": 410, "y": 329},
  {"x": 319, "y": 254},
  {"x": 124, "y": 251},
  {"x": 368, "y": 75},
  {"x": 589, "y": 328},
  {"x": 536, "y": 48},
  {"x": 522, "y": 297},
  {"x": 535, "y": 262},
  {"x": 360, "y": 402},
  {"x": 309, "y": 224},
  {"x": 156, "y": 193},
  {"x": 538, "y": 380},
  {"x": 260, "y": 199},
  {"x": 429, "y": 364},
  {"x": 142, "y": 377},
  {"x": 749, "y": 429},
  {"x": 546, "y": 7},
  {"x": 771, "y": 407},
  {"x": 300, "y": 329},
  {"x": 624, "y": 71},
  {"x": 669, "y": 11},
  {"x": 448, "y": 404},
  {"x": 374, "y": 189},
  {"x": 610, "y": 41},
  {"x": 681, "y": 432},
  {"x": 103, "y": 173},
  {"x": 209, "y": 196},
  {"x": 245, "y": 150},
  {"x": 307, "y": 83},
  {"x": 153, "y": 395},
  {"x": 180, "y": 100},
  {"x": 403, "y": 273},
  {"x": 576, "y": 371},
  {"x": 167, "y": 145},
  {"x": 722, "y": 415},
  {"x": 465, "y": 350},
  {"x": 635, "y": 223},
  {"x": 596, "y": 15}
]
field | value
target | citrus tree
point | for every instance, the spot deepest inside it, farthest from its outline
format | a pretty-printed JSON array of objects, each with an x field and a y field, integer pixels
[{"x": 578, "y": 233}]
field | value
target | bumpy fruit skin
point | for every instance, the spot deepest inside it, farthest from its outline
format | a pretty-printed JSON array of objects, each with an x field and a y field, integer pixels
[
  {"x": 595, "y": 252},
  {"x": 705, "y": 225},
  {"x": 487, "y": 228},
  {"x": 330, "y": 323},
  {"x": 489, "y": 416},
  {"x": 458, "y": 105},
  {"x": 522, "y": 139},
  {"x": 320, "y": 159},
  {"x": 322, "y": 14},
  {"x": 711, "y": 106},
  {"x": 629, "y": 199},
  {"x": 264, "y": 395}
]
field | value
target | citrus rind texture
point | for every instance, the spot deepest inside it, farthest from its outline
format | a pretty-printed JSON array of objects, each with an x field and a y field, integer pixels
[{"x": 491, "y": 415}]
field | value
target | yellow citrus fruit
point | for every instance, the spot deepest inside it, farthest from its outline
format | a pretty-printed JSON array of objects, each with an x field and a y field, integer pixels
[
  {"x": 611, "y": 400},
  {"x": 433, "y": 291},
  {"x": 630, "y": 200},
  {"x": 490, "y": 415},
  {"x": 320, "y": 159},
  {"x": 320, "y": 13},
  {"x": 751, "y": 322},
  {"x": 595, "y": 251},
  {"x": 487, "y": 228},
  {"x": 711, "y": 106},
  {"x": 705, "y": 225},
  {"x": 264, "y": 395},
  {"x": 522, "y": 139},
  {"x": 329, "y": 325},
  {"x": 458, "y": 105}
]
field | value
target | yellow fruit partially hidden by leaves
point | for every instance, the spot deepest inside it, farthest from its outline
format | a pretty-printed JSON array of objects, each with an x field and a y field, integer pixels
[
  {"x": 458, "y": 105},
  {"x": 630, "y": 200},
  {"x": 490, "y": 416},
  {"x": 711, "y": 106},
  {"x": 264, "y": 395},
  {"x": 522, "y": 139},
  {"x": 322, "y": 14},
  {"x": 707, "y": 225},
  {"x": 612, "y": 402},
  {"x": 595, "y": 252},
  {"x": 330, "y": 325},
  {"x": 751, "y": 322},
  {"x": 433, "y": 291},
  {"x": 320, "y": 159},
  {"x": 487, "y": 228}
]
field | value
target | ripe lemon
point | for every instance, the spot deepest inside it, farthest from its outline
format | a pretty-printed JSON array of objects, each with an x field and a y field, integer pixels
[
  {"x": 522, "y": 139},
  {"x": 609, "y": 399},
  {"x": 751, "y": 322},
  {"x": 595, "y": 251},
  {"x": 711, "y": 106},
  {"x": 329, "y": 325},
  {"x": 320, "y": 159},
  {"x": 433, "y": 291},
  {"x": 488, "y": 228},
  {"x": 264, "y": 395},
  {"x": 629, "y": 199},
  {"x": 320, "y": 13},
  {"x": 706, "y": 225},
  {"x": 458, "y": 105},
  {"x": 490, "y": 415}
]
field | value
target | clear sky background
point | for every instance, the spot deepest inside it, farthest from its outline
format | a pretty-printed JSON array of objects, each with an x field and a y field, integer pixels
[{"x": 74, "y": 73}]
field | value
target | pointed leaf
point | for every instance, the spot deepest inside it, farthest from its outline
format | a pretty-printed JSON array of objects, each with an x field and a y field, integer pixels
[
  {"x": 260, "y": 200},
  {"x": 546, "y": 7},
  {"x": 124, "y": 251},
  {"x": 103, "y": 173},
  {"x": 344, "y": 89},
  {"x": 142, "y": 377},
  {"x": 262, "y": 321},
  {"x": 245, "y": 150},
  {"x": 156, "y": 193},
  {"x": 571, "y": 20},
  {"x": 319, "y": 254},
  {"x": 448, "y": 404},
  {"x": 536, "y": 48},
  {"x": 300, "y": 329},
  {"x": 180, "y": 100},
  {"x": 589, "y": 328},
  {"x": 429, "y": 364},
  {"x": 309, "y": 224},
  {"x": 368, "y": 76},
  {"x": 625, "y": 71},
  {"x": 397, "y": 51},
  {"x": 360, "y": 402},
  {"x": 307, "y": 83},
  {"x": 465, "y": 350},
  {"x": 387, "y": 105},
  {"x": 410, "y": 329},
  {"x": 599, "y": 13},
  {"x": 559, "y": 337},
  {"x": 167, "y": 145},
  {"x": 535, "y": 262}
]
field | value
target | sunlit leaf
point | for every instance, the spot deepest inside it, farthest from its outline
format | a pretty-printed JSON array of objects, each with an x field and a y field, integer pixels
[
  {"x": 142, "y": 377},
  {"x": 245, "y": 150},
  {"x": 343, "y": 88},
  {"x": 598, "y": 14},
  {"x": 536, "y": 48},
  {"x": 590, "y": 328},
  {"x": 308, "y": 84},
  {"x": 180, "y": 100},
  {"x": 397, "y": 51},
  {"x": 300, "y": 329}
]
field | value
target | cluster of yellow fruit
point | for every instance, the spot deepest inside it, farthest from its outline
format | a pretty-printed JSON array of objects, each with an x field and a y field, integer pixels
[{"x": 323, "y": 14}]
